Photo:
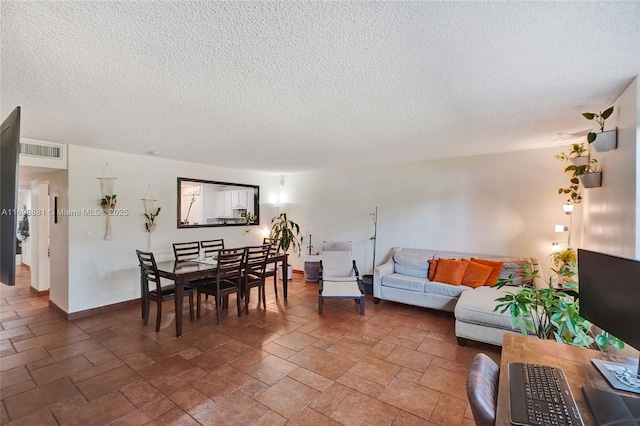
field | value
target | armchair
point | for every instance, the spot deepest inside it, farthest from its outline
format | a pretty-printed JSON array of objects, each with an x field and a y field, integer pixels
[{"x": 338, "y": 276}]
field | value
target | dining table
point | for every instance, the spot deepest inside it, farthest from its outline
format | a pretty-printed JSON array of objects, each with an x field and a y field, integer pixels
[{"x": 187, "y": 271}]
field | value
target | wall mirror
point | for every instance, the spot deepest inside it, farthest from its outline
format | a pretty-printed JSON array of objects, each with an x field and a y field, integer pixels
[{"x": 209, "y": 203}]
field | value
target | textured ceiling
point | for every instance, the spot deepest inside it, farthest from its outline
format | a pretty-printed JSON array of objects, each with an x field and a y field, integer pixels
[{"x": 292, "y": 86}]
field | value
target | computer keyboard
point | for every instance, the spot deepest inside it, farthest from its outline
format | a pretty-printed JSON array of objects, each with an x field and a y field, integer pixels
[{"x": 540, "y": 395}]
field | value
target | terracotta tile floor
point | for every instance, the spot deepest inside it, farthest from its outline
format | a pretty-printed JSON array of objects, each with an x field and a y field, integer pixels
[{"x": 397, "y": 364}]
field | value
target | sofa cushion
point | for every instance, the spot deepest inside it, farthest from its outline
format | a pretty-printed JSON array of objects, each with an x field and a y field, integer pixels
[
  {"x": 477, "y": 307},
  {"x": 415, "y": 266},
  {"x": 476, "y": 275},
  {"x": 404, "y": 282},
  {"x": 433, "y": 265},
  {"x": 496, "y": 268},
  {"x": 445, "y": 289},
  {"x": 450, "y": 271}
]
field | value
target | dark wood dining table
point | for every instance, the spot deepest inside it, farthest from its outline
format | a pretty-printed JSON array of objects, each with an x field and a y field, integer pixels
[{"x": 183, "y": 272}]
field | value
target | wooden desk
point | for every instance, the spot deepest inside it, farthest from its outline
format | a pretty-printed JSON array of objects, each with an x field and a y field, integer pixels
[
  {"x": 576, "y": 363},
  {"x": 185, "y": 271}
]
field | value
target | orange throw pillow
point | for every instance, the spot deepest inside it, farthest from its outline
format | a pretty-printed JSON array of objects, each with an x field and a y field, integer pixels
[
  {"x": 433, "y": 265},
  {"x": 495, "y": 265},
  {"x": 476, "y": 274},
  {"x": 450, "y": 271}
]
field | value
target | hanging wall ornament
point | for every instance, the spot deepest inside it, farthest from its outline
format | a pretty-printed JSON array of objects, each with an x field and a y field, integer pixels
[
  {"x": 151, "y": 212},
  {"x": 108, "y": 200}
]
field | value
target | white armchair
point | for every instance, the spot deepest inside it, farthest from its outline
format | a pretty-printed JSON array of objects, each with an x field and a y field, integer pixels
[{"x": 339, "y": 277}]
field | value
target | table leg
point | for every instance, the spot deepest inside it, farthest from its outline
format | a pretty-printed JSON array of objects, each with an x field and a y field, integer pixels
[
  {"x": 285, "y": 278},
  {"x": 178, "y": 299}
]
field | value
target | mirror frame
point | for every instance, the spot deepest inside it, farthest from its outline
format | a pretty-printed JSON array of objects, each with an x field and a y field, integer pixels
[{"x": 256, "y": 202}]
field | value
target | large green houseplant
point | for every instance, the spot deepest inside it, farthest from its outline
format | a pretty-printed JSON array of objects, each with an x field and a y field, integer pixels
[
  {"x": 550, "y": 313},
  {"x": 288, "y": 232}
]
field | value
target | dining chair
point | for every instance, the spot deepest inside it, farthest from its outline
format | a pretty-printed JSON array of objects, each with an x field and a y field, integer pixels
[
  {"x": 338, "y": 276},
  {"x": 186, "y": 251},
  {"x": 482, "y": 389},
  {"x": 272, "y": 268},
  {"x": 149, "y": 274},
  {"x": 228, "y": 279},
  {"x": 254, "y": 273},
  {"x": 212, "y": 247}
]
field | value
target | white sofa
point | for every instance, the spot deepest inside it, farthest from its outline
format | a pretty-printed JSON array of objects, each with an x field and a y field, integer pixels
[{"x": 404, "y": 278}]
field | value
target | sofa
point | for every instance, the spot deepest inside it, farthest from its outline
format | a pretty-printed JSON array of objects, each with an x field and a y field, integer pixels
[{"x": 404, "y": 278}]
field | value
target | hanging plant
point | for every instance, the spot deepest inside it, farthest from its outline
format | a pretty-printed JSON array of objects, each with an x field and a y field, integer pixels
[
  {"x": 600, "y": 119},
  {"x": 108, "y": 203},
  {"x": 151, "y": 219}
]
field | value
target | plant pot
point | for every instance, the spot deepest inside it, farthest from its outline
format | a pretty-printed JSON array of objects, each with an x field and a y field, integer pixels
[
  {"x": 591, "y": 180},
  {"x": 311, "y": 268},
  {"x": 289, "y": 272},
  {"x": 583, "y": 160},
  {"x": 606, "y": 141}
]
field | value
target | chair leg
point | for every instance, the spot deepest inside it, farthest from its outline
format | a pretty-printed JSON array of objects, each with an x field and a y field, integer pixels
[
  {"x": 198, "y": 305},
  {"x": 320, "y": 302},
  {"x": 275, "y": 284},
  {"x": 218, "y": 308},
  {"x": 238, "y": 305},
  {"x": 145, "y": 311},
  {"x": 191, "y": 305},
  {"x": 159, "y": 315},
  {"x": 262, "y": 290},
  {"x": 247, "y": 291}
]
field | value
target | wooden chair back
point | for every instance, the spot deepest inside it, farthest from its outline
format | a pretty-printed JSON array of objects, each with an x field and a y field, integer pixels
[
  {"x": 256, "y": 260},
  {"x": 148, "y": 269},
  {"x": 230, "y": 264},
  {"x": 212, "y": 247},
  {"x": 186, "y": 251}
]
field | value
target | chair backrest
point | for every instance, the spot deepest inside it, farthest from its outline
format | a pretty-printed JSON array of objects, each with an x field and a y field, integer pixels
[
  {"x": 148, "y": 268},
  {"x": 482, "y": 389},
  {"x": 186, "y": 251},
  {"x": 256, "y": 259},
  {"x": 274, "y": 245},
  {"x": 337, "y": 260},
  {"x": 230, "y": 264},
  {"x": 212, "y": 247}
]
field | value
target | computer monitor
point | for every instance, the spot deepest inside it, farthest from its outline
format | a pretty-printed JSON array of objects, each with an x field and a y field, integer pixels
[{"x": 610, "y": 299}]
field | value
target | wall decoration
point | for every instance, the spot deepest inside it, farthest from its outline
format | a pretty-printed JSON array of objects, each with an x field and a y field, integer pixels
[
  {"x": 151, "y": 212},
  {"x": 108, "y": 200}
]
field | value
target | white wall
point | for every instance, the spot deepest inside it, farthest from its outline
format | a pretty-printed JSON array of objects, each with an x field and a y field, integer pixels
[
  {"x": 495, "y": 204},
  {"x": 59, "y": 261},
  {"x": 611, "y": 210},
  {"x": 104, "y": 272}
]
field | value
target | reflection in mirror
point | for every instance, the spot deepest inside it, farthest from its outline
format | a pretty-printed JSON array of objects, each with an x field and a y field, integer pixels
[{"x": 210, "y": 203}]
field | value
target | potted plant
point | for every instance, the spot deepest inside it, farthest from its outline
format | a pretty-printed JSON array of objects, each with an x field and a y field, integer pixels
[
  {"x": 288, "y": 232},
  {"x": 150, "y": 218},
  {"x": 588, "y": 174},
  {"x": 603, "y": 141},
  {"x": 564, "y": 261},
  {"x": 578, "y": 156},
  {"x": 550, "y": 313},
  {"x": 248, "y": 219}
]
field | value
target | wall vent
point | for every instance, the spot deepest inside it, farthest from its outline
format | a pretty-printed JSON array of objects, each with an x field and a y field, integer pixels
[{"x": 36, "y": 150}]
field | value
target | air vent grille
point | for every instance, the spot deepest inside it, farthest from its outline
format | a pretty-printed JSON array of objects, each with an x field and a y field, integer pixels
[{"x": 46, "y": 151}]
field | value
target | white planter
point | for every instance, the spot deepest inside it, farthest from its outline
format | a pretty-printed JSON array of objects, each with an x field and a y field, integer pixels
[
  {"x": 606, "y": 141},
  {"x": 591, "y": 180},
  {"x": 580, "y": 161},
  {"x": 289, "y": 272}
]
